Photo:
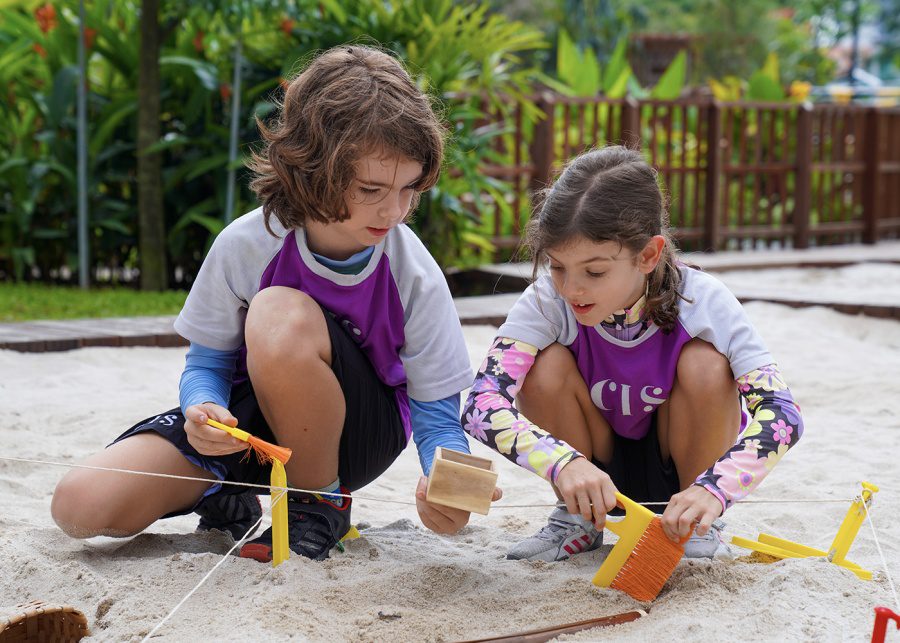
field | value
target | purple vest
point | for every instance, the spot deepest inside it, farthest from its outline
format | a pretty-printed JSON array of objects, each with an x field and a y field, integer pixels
[
  {"x": 370, "y": 311},
  {"x": 628, "y": 381}
]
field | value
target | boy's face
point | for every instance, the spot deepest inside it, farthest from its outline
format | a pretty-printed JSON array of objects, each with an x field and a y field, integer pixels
[
  {"x": 597, "y": 279},
  {"x": 377, "y": 200}
]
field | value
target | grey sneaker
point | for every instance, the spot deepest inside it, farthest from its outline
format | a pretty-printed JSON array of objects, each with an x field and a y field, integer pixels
[
  {"x": 564, "y": 534},
  {"x": 712, "y": 545}
]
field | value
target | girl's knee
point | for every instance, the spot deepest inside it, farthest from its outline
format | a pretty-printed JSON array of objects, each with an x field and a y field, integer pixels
[
  {"x": 703, "y": 369},
  {"x": 550, "y": 376},
  {"x": 277, "y": 317}
]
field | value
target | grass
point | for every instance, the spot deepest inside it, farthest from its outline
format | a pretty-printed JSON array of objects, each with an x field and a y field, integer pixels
[{"x": 24, "y": 302}]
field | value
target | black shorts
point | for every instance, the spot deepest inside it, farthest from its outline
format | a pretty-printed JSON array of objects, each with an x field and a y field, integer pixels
[
  {"x": 372, "y": 438},
  {"x": 638, "y": 470}
]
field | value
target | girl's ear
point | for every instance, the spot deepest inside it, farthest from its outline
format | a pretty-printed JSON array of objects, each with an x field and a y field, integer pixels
[{"x": 649, "y": 257}]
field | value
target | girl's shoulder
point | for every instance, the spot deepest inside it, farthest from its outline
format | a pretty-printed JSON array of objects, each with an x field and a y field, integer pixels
[
  {"x": 701, "y": 289},
  {"x": 408, "y": 255}
]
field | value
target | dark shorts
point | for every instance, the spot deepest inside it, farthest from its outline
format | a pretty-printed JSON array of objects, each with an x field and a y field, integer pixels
[
  {"x": 372, "y": 438},
  {"x": 638, "y": 470}
]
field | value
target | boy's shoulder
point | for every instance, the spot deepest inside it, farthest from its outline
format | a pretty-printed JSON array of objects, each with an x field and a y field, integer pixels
[{"x": 404, "y": 249}]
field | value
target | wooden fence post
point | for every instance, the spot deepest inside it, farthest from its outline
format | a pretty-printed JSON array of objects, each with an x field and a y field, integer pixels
[
  {"x": 631, "y": 124},
  {"x": 712, "y": 217},
  {"x": 871, "y": 158},
  {"x": 803, "y": 176},
  {"x": 542, "y": 145}
]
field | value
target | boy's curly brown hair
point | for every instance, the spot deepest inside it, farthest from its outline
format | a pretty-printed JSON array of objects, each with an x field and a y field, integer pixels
[{"x": 350, "y": 101}]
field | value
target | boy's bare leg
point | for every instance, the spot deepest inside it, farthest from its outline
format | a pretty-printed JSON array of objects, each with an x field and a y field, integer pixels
[
  {"x": 555, "y": 397},
  {"x": 289, "y": 361},
  {"x": 699, "y": 422},
  {"x": 105, "y": 503}
]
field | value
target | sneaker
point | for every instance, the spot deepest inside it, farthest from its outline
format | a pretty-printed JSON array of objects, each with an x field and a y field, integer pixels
[
  {"x": 314, "y": 527},
  {"x": 234, "y": 513},
  {"x": 712, "y": 545},
  {"x": 564, "y": 534}
]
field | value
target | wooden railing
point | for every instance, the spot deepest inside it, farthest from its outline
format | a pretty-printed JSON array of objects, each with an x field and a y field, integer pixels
[{"x": 737, "y": 175}]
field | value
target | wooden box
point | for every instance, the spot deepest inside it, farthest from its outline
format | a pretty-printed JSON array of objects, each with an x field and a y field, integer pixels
[{"x": 461, "y": 481}]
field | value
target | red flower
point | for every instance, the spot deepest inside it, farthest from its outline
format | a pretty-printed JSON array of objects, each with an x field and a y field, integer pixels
[
  {"x": 283, "y": 83},
  {"x": 40, "y": 50},
  {"x": 198, "y": 42},
  {"x": 46, "y": 17},
  {"x": 225, "y": 92},
  {"x": 90, "y": 35},
  {"x": 287, "y": 26}
]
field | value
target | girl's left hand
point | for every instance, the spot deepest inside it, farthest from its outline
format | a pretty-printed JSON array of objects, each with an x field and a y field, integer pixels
[
  {"x": 695, "y": 506},
  {"x": 441, "y": 519}
]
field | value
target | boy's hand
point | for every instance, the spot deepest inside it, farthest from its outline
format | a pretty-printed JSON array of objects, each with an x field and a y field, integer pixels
[
  {"x": 693, "y": 506},
  {"x": 441, "y": 519},
  {"x": 586, "y": 490},
  {"x": 206, "y": 439}
]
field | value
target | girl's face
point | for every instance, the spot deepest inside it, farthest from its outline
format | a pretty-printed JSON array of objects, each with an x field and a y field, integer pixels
[
  {"x": 377, "y": 200},
  {"x": 598, "y": 278}
]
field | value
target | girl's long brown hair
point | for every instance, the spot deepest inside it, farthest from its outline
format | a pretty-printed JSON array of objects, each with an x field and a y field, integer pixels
[
  {"x": 349, "y": 101},
  {"x": 610, "y": 194}
]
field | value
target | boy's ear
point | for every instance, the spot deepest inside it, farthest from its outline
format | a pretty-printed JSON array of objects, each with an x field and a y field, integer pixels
[{"x": 651, "y": 254}]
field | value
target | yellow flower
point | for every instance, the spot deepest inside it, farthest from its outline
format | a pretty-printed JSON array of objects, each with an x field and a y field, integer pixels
[{"x": 799, "y": 90}]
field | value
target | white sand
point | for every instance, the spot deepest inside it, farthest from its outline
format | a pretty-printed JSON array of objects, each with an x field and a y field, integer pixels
[{"x": 400, "y": 581}]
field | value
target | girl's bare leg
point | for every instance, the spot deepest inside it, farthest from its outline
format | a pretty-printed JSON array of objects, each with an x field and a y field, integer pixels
[
  {"x": 104, "y": 503},
  {"x": 555, "y": 397},
  {"x": 289, "y": 361},
  {"x": 699, "y": 422}
]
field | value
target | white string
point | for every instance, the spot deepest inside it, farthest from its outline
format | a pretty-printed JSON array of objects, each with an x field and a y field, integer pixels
[
  {"x": 883, "y": 559},
  {"x": 211, "y": 571},
  {"x": 334, "y": 494}
]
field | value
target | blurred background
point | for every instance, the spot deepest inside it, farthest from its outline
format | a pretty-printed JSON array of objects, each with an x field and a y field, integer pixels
[{"x": 125, "y": 124}]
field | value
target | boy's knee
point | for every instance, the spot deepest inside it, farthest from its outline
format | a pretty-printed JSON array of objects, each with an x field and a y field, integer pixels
[
  {"x": 277, "y": 317},
  {"x": 704, "y": 369},
  {"x": 79, "y": 511}
]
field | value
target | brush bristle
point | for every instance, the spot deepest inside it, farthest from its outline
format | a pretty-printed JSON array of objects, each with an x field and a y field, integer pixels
[
  {"x": 650, "y": 564},
  {"x": 266, "y": 450}
]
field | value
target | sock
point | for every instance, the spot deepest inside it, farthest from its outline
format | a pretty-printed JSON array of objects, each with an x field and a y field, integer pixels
[{"x": 334, "y": 487}]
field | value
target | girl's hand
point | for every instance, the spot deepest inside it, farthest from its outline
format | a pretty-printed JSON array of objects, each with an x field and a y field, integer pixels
[
  {"x": 586, "y": 490},
  {"x": 206, "y": 439},
  {"x": 441, "y": 519},
  {"x": 693, "y": 506}
]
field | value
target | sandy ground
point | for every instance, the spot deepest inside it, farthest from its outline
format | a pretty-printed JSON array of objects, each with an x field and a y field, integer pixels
[{"x": 400, "y": 581}]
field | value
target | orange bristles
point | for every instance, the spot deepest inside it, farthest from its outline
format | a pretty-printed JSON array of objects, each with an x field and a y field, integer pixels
[
  {"x": 650, "y": 564},
  {"x": 265, "y": 451},
  {"x": 269, "y": 450}
]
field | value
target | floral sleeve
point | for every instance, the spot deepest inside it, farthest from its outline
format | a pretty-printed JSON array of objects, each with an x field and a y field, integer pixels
[
  {"x": 490, "y": 417},
  {"x": 775, "y": 427}
]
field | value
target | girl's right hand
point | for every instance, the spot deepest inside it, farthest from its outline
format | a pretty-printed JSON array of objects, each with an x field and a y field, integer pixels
[
  {"x": 586, "y": 490},
  {"x": 206, "y": 439}
]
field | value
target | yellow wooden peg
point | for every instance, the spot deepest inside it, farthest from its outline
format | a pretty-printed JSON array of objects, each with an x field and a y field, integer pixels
[
  {"x": 281, "y": 551},
  {"x": 779, "y": 548}
]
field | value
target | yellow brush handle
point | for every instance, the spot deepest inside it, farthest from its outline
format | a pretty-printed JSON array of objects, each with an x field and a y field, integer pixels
[{"x": 231, "y": 430}]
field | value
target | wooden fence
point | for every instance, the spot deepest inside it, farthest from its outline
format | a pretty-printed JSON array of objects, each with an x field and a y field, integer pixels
[{"x": 737, "y": 175}]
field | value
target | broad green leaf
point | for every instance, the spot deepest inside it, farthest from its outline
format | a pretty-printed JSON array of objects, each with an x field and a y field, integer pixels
[
  {"x": 763, "y": 88},
  {"x": 672, "y": 81}
]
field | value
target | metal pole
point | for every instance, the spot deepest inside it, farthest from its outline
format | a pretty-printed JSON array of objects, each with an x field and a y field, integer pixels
[
  {"x": 81, "y": 106},
  {"x": 233, "y": 138}
]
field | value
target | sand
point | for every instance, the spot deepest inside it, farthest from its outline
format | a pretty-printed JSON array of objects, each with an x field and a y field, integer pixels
[{"x": 402, "y": 582}]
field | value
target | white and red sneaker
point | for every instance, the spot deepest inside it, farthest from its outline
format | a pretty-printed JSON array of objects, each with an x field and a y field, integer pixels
[{"x": 563, "y": 536}]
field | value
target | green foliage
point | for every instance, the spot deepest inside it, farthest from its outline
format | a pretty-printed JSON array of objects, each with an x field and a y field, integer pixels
[
  {"x": 23, "y": 302},
  {"x": 450, "y": 48}
]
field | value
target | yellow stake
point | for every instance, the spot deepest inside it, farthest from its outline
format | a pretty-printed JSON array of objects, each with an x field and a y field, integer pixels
[{"x": 280, "y": 549}]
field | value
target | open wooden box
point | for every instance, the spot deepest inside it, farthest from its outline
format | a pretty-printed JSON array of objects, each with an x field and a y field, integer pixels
[{"x": 461, "y": 481}]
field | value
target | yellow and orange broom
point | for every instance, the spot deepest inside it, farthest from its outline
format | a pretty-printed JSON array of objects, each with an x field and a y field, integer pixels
[{"x": 644, "y": 558}]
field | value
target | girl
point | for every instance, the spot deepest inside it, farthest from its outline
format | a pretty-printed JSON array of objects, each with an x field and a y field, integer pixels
[
  {"x": 318, "y": 321},
  {"x": 622, "y": 365}
]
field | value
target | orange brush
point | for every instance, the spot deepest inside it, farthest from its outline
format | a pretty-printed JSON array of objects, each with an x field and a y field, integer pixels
[
  {"x": 644, "y": 558},
  {"x": 265, "y": 451}
]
